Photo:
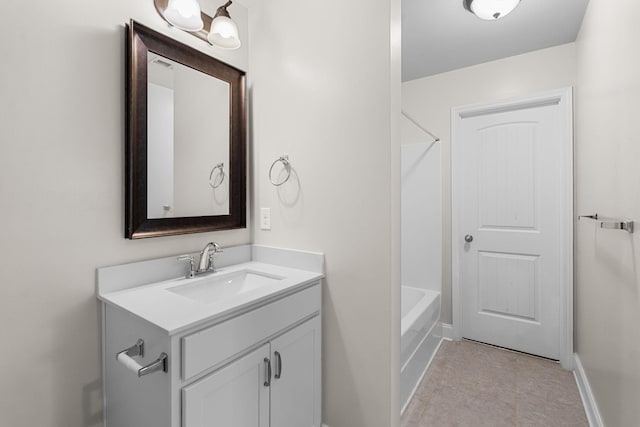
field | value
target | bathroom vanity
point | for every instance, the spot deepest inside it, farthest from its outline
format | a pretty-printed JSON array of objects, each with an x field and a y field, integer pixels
[{"x": 238, "y": 347}]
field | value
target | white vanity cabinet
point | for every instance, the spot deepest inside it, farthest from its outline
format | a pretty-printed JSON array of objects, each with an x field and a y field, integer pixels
[
  {"x": 259, "y": 366},
  {"x": 236, "y": 395},
  {"x": 295, "y": 387},
  {"x": 277, "y": 384}
]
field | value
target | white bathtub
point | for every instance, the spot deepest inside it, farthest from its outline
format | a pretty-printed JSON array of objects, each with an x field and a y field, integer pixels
[{"x": 421, "y": 334}]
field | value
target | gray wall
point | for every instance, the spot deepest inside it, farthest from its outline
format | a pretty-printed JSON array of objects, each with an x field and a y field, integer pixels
[
  {"x": 607, "y": 152},
  {"x": 61, "y": 186},
  {"x": 325, "y": 89}
]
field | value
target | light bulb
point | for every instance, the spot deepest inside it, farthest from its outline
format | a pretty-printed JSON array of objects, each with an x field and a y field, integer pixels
[
  {"x": 184, "y": 14},
  {"x": 224, "y": 32}
]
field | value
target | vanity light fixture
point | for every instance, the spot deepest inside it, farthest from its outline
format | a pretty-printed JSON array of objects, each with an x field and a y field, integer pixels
[
  {"x": 184, "y": 14},
  {"x": 490, "y": 10},
  {"x": 224, "y": 32}
]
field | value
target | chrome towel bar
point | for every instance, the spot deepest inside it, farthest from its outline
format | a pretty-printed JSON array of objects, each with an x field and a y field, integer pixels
[
  {"x": 611, "y": 223},
  {"x": 126, "y": 358}
]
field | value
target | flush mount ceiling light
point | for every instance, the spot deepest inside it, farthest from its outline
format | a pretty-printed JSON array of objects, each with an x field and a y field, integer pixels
[
  {"x": 490, "y": 10},
  {"x": 184, "y": 14},
  {"x": 224, "y": 32}
]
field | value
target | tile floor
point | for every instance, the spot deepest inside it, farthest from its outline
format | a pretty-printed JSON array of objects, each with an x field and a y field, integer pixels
[{"x": 471, "y": 384}]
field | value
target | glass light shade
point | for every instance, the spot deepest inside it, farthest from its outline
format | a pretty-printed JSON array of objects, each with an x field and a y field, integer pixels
[
  {"x": 184, "y": 14},
  {"x": 224, "y": 33},
  {"x": 492, "y": 9}
]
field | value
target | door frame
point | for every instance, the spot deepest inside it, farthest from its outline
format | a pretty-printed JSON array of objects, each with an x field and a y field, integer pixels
[{"x": 564, "y": 99}]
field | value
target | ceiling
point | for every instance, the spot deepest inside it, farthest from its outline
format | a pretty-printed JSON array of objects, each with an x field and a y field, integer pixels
[{"x": 441, "y": 35}]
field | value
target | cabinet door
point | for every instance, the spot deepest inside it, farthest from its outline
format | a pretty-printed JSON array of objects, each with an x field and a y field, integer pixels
[
  {"x": 232, "y": 396},
  {"x": 295, "y": 395}
]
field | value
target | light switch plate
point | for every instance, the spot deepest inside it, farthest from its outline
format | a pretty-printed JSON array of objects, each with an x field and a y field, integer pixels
[{"x": 265, "y": 218}]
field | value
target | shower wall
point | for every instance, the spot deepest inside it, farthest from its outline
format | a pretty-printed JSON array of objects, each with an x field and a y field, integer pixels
[{"x": 421, "y": 221}]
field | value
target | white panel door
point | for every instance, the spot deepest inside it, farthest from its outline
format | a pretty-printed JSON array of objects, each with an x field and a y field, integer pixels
[
  {"x": 295, "y": 388},
  {"x": 511, "y": 228},
  {"x": 234, "y": 396}
]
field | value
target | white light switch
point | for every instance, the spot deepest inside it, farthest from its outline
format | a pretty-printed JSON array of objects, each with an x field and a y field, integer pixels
[{"x": 265, "y": 218}]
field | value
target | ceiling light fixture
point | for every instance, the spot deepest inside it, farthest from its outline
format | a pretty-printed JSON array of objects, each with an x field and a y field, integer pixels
[
  {"x": 184, "y": 14},
  {"x": 224, "y": 32},
  {"x": 490, "y": 10}
]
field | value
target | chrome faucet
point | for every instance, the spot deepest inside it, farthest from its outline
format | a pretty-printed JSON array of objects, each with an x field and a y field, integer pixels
[
  {"x": 206, "y": 257},
  {"x": 206, "y": 264}
]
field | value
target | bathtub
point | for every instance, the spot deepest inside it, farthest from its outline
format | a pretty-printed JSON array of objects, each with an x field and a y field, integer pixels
[{"x": 421, "y": 334}]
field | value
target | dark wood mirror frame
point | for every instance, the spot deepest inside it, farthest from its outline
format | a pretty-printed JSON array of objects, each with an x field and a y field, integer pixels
[{"x": 141, "y": 40}]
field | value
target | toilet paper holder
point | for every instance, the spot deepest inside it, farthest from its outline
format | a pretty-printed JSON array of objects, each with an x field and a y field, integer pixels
[{"x": 126, "y": 358}]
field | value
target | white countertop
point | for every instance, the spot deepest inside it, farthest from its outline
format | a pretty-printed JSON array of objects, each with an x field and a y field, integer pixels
[{"x": 174, "y": 313}]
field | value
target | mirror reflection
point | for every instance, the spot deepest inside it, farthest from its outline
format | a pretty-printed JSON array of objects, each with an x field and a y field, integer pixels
[{"x": 188, "y": 141}]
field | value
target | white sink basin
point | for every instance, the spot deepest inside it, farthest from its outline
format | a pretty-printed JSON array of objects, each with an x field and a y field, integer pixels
[{"x": 219, "y": 287}]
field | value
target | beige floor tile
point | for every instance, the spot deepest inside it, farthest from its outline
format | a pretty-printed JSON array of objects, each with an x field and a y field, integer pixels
[
  {"x": 455, "y": 407},
  {"x": 547, "y": 380},
  {"x": 533, "y": 410},
  {"x": 413, "y": 413},
  {"x": 470, "y": 384}
]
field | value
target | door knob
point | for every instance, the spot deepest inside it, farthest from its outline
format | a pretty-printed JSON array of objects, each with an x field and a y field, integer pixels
[{"x": 468, "y": 238}]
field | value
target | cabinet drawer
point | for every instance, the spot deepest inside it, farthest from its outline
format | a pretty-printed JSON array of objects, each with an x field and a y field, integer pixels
[{"x": 207, "y": 348}]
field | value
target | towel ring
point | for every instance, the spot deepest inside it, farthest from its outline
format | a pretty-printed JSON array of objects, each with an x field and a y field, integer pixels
[
  {"x": 285, "y": 163},
  {"x": 213, "y": 183}
]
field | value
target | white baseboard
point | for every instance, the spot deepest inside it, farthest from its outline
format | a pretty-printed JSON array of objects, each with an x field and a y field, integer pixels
[
  {"x": 589, "y": 402},
  {"x": 447, "y": 332}
]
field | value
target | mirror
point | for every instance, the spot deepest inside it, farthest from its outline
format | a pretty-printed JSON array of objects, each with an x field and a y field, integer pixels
[
  {"x": 186, "y": 139},
  {"x": 192, "y": 108}
]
